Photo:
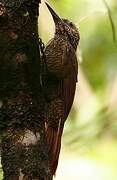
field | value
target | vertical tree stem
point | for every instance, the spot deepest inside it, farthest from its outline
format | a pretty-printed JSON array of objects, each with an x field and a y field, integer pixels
[{"x": 24, "y": 149}]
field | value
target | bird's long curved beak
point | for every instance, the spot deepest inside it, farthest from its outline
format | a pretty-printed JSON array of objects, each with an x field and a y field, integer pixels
[{"x": 56, "y": 18}]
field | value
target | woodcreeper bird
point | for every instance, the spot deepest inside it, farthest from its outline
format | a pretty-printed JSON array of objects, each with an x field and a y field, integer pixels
[{"x": 60, "y": 83}]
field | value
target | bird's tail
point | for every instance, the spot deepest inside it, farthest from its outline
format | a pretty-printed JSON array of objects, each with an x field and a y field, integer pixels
[{"x": 54, "y": 145}]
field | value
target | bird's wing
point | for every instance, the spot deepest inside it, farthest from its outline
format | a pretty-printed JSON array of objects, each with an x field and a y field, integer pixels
[{"x": 68, "y": 85}]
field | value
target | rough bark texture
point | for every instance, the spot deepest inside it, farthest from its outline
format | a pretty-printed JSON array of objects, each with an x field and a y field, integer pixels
[{"x": 24, "y": 153}]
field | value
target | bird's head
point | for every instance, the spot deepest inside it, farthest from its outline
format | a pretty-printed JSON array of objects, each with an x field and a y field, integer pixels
[
  {"x": 72, "y": 33},
  {"x": 65, "y": 28}
]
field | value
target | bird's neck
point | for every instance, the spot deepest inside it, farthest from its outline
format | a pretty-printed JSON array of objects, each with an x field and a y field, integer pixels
[
  {"x": 59, "y": 35},
  {"x": 60, "y": 30},
  {"x": 63, "y": 36}
]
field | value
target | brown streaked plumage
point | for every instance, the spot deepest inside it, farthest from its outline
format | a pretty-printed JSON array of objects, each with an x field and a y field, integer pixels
[{"x": 62, "y": 70}]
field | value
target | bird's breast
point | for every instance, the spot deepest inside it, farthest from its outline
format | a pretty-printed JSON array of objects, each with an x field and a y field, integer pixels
[{"x": 56, "y": 57}]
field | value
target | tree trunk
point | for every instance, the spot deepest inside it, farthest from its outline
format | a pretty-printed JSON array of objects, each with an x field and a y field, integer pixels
[{"x": 24, "y": 154}]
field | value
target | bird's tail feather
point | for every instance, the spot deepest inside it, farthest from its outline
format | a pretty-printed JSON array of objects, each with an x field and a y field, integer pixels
[{"x": 54, "y": 145}]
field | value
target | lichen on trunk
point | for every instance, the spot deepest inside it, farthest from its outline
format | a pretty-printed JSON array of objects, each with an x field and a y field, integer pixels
[{"x": 24, "y": 153}]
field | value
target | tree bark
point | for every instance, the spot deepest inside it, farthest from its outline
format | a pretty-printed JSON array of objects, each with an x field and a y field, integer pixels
[{"x": 24, "y": 153}]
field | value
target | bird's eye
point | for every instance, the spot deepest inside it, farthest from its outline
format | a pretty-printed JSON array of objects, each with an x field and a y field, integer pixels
[{"x": 71, "y": 24}]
